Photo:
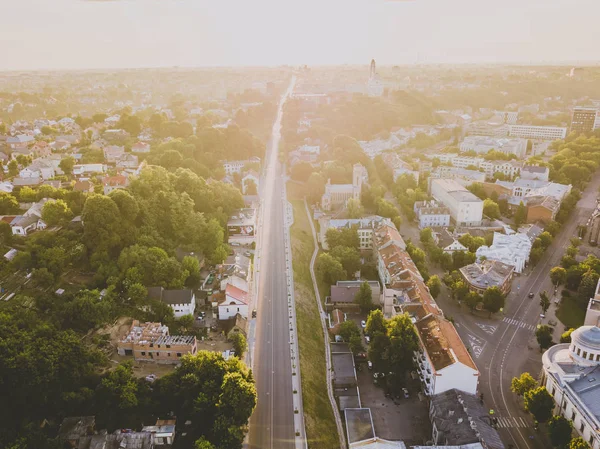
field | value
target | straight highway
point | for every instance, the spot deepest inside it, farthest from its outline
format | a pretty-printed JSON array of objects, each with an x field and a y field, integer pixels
[{"x": 272, "y": 423}]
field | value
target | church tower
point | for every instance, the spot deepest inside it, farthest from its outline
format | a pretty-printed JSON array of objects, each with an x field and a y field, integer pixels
[{"x": 372, "y": 72}]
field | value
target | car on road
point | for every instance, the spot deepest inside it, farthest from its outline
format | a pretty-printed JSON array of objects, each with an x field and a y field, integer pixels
[
  {"x": 150, "y": 378},
  {"x": 542, "y": 315},
  {"x": 367, "y": 339},
  {"x": 254, "y": 313},
  {"x": 531, "y": 294},
  {"x": 370, "y": 364},
  {"x": 363, "y": 324},
  {"x": 405, "y": 391}
]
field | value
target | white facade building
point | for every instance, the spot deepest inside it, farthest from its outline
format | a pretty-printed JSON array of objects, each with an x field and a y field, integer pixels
[
  {"x": 236, "y": 301},
  {"x": 443, "y": 363},
  {"x": 572, "y": 377},
  {"x": 535, "y": 172},
  {"x": 511, "y": 249},
  {"x": 483, "y": 144},
  {"x": 183, "y": 302},
  {"x": 232, "y": 167},
  {"x": 537, "y": 132},
  {"x": 430, "y": 214},
  {"x": 465, "y": 208}
]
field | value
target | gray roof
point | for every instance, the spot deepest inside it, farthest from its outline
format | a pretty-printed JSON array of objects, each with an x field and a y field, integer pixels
[
  {"x": 170, "y": 296},
  {"x": 24, "y": 221},
  {"x": 359, "y": 424},
  {"x": 343, "y": 369},
  {"x": 74, "y": 427},
  {"x": 345, "y": 291},
  {"x": 587, "y": 388},
  {"x": 454, "y": 412},
  {"x": 587, "y": 337}
]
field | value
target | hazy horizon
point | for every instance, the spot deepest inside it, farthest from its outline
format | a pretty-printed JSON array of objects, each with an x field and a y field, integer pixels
[{"x": 122, "y": 34}]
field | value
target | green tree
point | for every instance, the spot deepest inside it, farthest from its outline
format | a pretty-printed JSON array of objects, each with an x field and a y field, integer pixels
[
  {"x": 578, "y": 443},
  {"x": 544, "y": 336},
  {"x": 491, "y": 209},
  {"x": 101, "y": 223},
  {"x": 403, "y": 343},
  {"x": 191, "y": 265},
  {"x": 566, "y": 336},
  {"x": 520, "y": 215},
  {"x": 348, "y": 329},
  {"x": 354, "y": 208},
  {"x": 66, "y": 165},
  {"x": 330, "y": 269},
  {"x": 13, "y": 168},
  {"x": 56, "y": 212},
  {"x": 558, "y": 275},
  {"x": 546, "y": 239},
  {"x": 376, "y": 323},
  {"x": 203, "y": 443},
  {"x": 348, "y": 257},
  {"x": 472, "y": 300},
  {"x": 560, "y": 430},
  {"x": 364, "y": 297},
  {"x": 355, "y": 344},
  {"x": 539, "y": 403},
  {"x": 386, "y": 209},
  {"x": 8, "y": 204},
  {"x": 435, "y": 286},
  {"x": 544, "y": 301},
  {"x": 343, "y": 237},
  {"x": 522, "y": 384},
  {"x": 239, "y": 344},
  {"x": 493, "y": 300}
]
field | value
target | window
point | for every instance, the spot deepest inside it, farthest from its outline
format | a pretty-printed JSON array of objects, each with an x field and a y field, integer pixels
[
  {"x": 143, "y": 352},
  {"x": 553, "y": 390},
  {"x": 591, "y": 356},
  {"x": 168, "y": 354},
  {"x": 179, "y": 354},
  {"x": 584, "y": 354},
  {"x": 168, "y": 346},
  {"x": 578, "y": 351},
  {"x": 582, "y": 428}
]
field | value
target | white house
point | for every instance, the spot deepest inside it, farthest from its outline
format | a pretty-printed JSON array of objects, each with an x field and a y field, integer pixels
[
  {"x": 183, "y": 302},
  {"x": 535, "y": 172},
  {"x": 237, "y": 166},
  {"x": 23, "y": 225},
  {"x": 236, "y": 301},
  {"x": 235, "y": 280},
  {"x": 537, "y": 132},
  {"x": 82, "y": 169},
  {"x": 364, "y": 227},
  {"x": 39, "y": 168},
  {"x": 465, "y": 208}
]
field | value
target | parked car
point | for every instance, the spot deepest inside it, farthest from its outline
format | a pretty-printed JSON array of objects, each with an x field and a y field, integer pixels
[
  {"x": 367, "y": 339},
  {"x": 405, "y": 391},
  {"x": 254, "y": 313},
  {"x": 363, "y": 324},
  {"x": 531, "y": 294},
  {"x": 370, "y": 364},
  {"x": 150, "y": 378}
]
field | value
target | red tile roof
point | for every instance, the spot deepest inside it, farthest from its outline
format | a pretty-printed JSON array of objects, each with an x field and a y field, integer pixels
[{"x": 236, "y": 293}]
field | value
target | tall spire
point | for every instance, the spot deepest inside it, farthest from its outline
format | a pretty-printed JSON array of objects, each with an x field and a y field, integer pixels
[{"x": 372, "y": 71}]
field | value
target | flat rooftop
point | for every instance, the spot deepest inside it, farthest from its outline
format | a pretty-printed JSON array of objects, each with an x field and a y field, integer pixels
[
  {"x": 343, "y": 369},
  {"x": 359, "y": 424}
]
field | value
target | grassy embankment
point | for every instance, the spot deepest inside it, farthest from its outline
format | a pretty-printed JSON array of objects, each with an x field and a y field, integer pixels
[{"x": 318, "y": 416}]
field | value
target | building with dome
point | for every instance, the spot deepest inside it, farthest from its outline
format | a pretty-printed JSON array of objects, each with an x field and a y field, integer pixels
[{"x": 572, "y": 377}]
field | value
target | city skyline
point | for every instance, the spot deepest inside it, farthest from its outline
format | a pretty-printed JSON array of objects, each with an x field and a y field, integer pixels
[{"x": 77, "y": 34}]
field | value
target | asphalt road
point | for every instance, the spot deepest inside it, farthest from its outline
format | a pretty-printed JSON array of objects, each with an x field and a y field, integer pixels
[
  {"x": 272, "y": 423},
  {"x": 513, "y": 349}
]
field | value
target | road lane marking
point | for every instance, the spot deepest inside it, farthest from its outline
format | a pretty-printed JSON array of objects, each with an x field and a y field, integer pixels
[
  {"x": 520, "y": 324},
  {"x": 487, "y": 328}
]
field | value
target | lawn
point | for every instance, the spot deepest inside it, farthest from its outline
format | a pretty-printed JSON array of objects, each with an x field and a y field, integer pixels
[
  {"x": 570, "y": 313},
  {"x": 318, "y": 416}
]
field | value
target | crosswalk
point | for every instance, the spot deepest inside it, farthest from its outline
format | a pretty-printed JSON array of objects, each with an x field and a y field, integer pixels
[
  {"x": 511, "y": 422},
  {"x": 518, "y": 323}
]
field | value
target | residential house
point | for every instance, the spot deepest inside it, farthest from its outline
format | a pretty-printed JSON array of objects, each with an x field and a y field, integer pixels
[
  {"x": 235, "y": 302},
  {"x": 535, "y": 172},
  {"x": 163, "y": 433},
  {"x": 112, "y": 153},
  {"x": 19, "y": 141},
  {"x": 239, "y": 326},
  {"x": 183, "y": 302},
  {"x": 111, "y": 183},
  {"x": 151, "y": 342},
  {"x": 86, "y": 169},
  {"x": 542, "y": 208},
  {"x": 241, "y": 227},
  {"x": 39, "y": 168},
  {"x": 232, "y": 167},
  {"x": 127, "y": 160},
  {"x": 141, "y": 147},
  {"x": 30, "y": 220},
  {"x": 448, "y": 242},
  {"x": 344, "y": 292},
  {"x": 41, "y": 149},
  {"x": 83, "y": 186}
]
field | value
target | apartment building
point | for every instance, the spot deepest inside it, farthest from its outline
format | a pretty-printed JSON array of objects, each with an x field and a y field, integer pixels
[
  {"x": 483, "y": 145},
  {"x": 585, "y": 119},
  {"x": 537, "y": 132},
  {"x": 482, "y": 275},
  {"x": 152, "y": 342},
  {"x": 465, "y": 208},
  {"x": 430, "y": 214}
]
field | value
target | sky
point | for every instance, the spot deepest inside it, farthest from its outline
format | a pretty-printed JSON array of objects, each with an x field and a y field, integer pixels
[{"x": 82, "y": 34}]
